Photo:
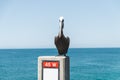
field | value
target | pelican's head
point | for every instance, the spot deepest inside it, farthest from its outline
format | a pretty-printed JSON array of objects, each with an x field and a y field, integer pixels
[{"x": 61, "y": 22}]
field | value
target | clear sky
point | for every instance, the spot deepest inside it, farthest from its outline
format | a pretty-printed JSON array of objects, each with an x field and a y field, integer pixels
[{"x": 34, "y": 23}]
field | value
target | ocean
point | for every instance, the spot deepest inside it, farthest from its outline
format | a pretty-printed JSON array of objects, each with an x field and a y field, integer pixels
[{"x": 85, "y": 63}]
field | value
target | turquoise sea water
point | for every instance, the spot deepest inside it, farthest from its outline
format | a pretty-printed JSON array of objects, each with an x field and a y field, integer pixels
[{"x": 85, "y": 63}]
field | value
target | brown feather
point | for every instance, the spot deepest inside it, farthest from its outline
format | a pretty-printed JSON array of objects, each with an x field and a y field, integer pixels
[{"x": 62, "y": 44}]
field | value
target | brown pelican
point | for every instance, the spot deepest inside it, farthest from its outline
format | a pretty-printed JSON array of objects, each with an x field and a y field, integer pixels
[{"x": 62, "y": 42}]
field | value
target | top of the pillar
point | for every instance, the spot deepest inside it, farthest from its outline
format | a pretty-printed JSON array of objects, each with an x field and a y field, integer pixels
[{"x": 51, "y": 57}]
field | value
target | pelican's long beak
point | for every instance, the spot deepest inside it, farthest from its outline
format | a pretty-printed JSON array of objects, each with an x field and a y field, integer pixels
[
  {"x": 61, "y": 24},
  {"x": 60, "y": 32}
]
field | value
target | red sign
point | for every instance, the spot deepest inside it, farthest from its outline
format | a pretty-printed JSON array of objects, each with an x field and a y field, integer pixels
[{"x": 50, "y": 64}]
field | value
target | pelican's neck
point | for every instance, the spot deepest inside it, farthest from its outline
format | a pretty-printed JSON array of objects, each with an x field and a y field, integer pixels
[{"x": 61, "y": 29}]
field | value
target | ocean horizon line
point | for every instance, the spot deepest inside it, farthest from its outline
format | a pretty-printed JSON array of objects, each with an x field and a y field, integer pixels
[{"x": 69, "y": 48}]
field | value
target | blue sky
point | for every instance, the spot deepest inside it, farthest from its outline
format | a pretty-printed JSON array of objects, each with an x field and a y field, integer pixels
[{"x": 34, "y": 23}]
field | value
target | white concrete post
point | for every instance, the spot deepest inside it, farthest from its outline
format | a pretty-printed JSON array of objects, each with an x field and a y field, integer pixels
[{"x": 53, "y": 68}]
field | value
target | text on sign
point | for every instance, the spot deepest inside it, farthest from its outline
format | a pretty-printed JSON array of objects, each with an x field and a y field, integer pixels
[{"x": 50, "y": 64}]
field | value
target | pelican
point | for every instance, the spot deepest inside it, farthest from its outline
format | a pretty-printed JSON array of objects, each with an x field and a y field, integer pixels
[{"x": 62, "y": 42}]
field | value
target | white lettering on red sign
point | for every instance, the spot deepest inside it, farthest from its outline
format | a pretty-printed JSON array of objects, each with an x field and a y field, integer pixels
[{"x": 50, "y": 64}]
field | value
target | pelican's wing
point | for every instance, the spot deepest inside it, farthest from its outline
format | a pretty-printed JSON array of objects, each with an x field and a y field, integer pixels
[
  {"x": 55, "y": 41},
  {"x": 68, "y": 41}
]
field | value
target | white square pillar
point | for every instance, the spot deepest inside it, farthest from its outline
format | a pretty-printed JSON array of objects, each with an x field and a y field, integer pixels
[{"x": 53, "y": 68}]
